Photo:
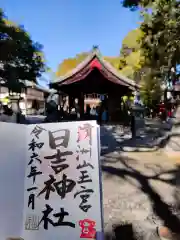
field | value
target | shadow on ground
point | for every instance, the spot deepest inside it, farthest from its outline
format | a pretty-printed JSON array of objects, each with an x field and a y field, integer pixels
[
  {"x": 108, "y": 141},
  {"x": 159, "y": 207},
  {"x": 173, "y": 140},
  {"x": 114, "y": 139},
  {"x": 121, "y": 232}
]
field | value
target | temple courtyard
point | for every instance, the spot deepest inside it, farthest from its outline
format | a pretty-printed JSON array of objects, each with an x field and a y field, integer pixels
[
  {"x": 140, "y": 181},
  {"x": 139, "y": 188}
]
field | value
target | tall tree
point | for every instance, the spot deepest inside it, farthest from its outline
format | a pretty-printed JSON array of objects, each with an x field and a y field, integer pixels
[
  {"x": 131, "y": 56},
  {"x": 134, "y": 4},
  {"x": 151, "y": 91},
  {"x": 20, "y": 57},
  {"x": 161, "y": 41},
  {"x": 161, "y": 30},
  {"x": 70, "y": 63},
  {"x": 114, "y": 61}
]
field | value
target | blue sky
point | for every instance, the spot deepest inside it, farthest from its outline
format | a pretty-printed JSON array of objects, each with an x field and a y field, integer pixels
[{"x": 68, "y": 27}]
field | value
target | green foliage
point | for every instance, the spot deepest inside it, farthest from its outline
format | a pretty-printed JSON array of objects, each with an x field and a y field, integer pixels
[
  {"x": 161, "y": 41},
  {"x": 134, "y": 4},
  {"x": 133, "y": 65},
  {"x": 161, "y": 44},
  {"x": 131, "y": 55},
  {"x": 21, "y": 58},
  {"x": 114, "y": 61},
  {"x": 132, "y": 40},
  {"x": 161, "y": 30},
  {"x": 151, "y": 91},
  {"x": 69, "y": 64}
]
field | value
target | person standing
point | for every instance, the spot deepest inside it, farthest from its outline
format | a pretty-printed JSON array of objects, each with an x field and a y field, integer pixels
[
  {"x": 133, "y": 126},
  {"x": 8, "y": 115}
]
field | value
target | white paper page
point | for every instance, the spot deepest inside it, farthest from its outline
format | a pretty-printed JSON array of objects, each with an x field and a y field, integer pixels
[
  {"x": 33, "y": 224},
  {"x": 12, "y": 173}
]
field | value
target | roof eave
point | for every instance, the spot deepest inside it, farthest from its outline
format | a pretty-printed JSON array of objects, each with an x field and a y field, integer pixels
[
  {"x": 77, "y": 69},
  {"x": 108, "y": 66}
]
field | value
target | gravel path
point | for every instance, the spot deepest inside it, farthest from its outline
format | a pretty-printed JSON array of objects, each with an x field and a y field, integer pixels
[{"x": 138, "y": 189}]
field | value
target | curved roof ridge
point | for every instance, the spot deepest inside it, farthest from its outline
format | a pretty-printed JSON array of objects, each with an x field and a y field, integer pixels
[
  {"x": 70, "y": 73},
  {"x": 92, "y": 54},
  {"x": 115, "y": 72}
]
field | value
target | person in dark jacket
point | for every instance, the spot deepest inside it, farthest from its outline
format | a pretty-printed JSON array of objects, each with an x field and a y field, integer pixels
[
  {"x": 52, "y": 113},
  {"x": 133, "y": 126},
  {"x": 7, "y": 115}
]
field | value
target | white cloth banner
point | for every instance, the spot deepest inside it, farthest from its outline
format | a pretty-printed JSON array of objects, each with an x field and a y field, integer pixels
[
  {"x": 12, "y": 175},
  {"x": 62, "y": 187}
]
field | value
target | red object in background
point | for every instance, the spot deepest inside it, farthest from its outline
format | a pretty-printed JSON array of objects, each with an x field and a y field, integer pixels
[
  {"x": 161, "y": 107},
  {"x": 87, "y": 228},
  {"x": 169, "y": 113},
  {"x": 95, "y": 64}
]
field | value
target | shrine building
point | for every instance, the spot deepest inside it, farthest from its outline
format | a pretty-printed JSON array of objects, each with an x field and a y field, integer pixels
[{"x": 98, "y": 77}]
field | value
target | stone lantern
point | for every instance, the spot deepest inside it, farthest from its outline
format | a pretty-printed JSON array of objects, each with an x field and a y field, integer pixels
[{"x": 137, "y": 112}]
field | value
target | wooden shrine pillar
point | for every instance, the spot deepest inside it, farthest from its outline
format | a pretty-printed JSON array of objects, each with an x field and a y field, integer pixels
[
  {"x": 71, "y": 102},
  {"x": 114, "y": 107},
  {"x": 60, "y": 102},
  {"x": 81, "y": 105}
]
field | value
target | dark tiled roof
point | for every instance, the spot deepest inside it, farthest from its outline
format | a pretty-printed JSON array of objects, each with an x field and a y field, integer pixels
[
  {"x": 38, "y": 87},
  {"x": 30, "y": 84},
  {"x": 95, "y": 53}
]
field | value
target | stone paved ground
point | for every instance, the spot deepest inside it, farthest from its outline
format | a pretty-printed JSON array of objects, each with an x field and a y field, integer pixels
[
  {"x": 138, "y": 187},
  {"x": 173, "y": 146},
  {"x": 139, "y": 182},
  {"x": 136, "y": 183},
  {"x": 115, "y": 137}
]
